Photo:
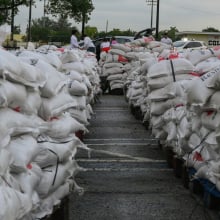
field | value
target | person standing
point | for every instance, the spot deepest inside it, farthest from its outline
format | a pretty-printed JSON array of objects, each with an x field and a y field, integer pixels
[
  {"x": 88, "y": 44},
  {"x": 113, "y": 41},
  {"x": 105, "y": 45},
  {"x": 73, "y": 40},
  {"x": 166, "y": 40}
]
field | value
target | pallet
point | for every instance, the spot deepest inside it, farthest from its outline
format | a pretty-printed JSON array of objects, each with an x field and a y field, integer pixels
[
  {"x": 169, "y": 154},
  {"x": 205, "y": 188},
  {"x": 178, "y": 163},
  {"x": 116, "y": 92},
  {"x": 80, "y": 134}
]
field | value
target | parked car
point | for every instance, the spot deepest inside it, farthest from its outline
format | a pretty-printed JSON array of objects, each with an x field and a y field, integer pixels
[
  {"x": 182, "y": 45},
  {"x": 119, "y": 39}
]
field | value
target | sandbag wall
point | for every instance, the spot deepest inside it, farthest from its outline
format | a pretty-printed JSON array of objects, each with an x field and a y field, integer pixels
[
  {"x": 46, "y": 97},
  {"x": 181, "y": 93},
  {"x": 120, "y": 61}
]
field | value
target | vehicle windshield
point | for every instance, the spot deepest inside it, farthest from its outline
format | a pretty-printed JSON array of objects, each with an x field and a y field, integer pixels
[{"x": 179, "y": 43}]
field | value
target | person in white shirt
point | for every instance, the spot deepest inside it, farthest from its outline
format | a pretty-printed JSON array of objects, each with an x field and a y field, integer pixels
[
  {"x": 105, "y": 45},
  {"x": 73, "y": 40},
  {"x": 88, "y": 44},
  {"x": 166, "y": 40}
]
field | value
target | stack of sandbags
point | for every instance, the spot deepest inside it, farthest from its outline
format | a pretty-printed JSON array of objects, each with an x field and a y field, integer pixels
[
  {"x": 83, "y": 81},
  {"x": 202, "y": 97},
  {"x": 166, "y": 90},
  {"x": 37, "y": 135}
]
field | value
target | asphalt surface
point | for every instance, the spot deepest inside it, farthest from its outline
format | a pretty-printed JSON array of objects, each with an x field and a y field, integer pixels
[{"x": 127, "y": 176}]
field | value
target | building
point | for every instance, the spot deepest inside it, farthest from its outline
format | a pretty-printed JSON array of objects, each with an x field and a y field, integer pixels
[{"x": 210, "y": 38}]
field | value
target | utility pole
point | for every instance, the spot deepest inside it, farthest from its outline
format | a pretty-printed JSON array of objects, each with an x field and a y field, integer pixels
[
  {"x": 152, "y": 3},
  {"x": 29, "y": 21},
  {"x": 12, "y": 19},
  {"x": 157, "y": 19}
]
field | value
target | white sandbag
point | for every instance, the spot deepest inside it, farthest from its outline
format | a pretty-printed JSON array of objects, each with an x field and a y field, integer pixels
[
  {"x": 54, "y": 84},
  {"x": 207, "y": 65},
  {"x": 9, "y": 63},
  {"x": 63, "y": 126},
  {"x": 79, "y": 115},
  {"x": 194, "y": 141},
  {"x": 16, "y": 70},
  {"x": 14, "y": 204},
  {"x": 117, "y": 76},
  {"x": 117, "y": 52},
  {"x": 112, "y": 65},
  {"x": 29, "y": 180},
  {"x": 213, "y": 102},
  {"x": 77, "y": 88},
  {"x": 55, "y": 176},
  {"x": 77, "y": 66},
  {"x": 80, "y": 102},
  {"x": 210, "y": 120},
  {"x": 30, "y": 76},
  {"x": 32, "y": 103},
  {"x": 183, "y": 128},
  {"x": 171, "y": 130},
  {"x": 147, "y": 63},
  {"x": 158, "y": 108},
  {"x": 87, "y": 81},
  {"x": 53, "y": 59},
  {"x": 116, "y": 86},
  {"x": 198, "y": 93},
  {"x": 14, "y": 123},
  {"x": 115, "y": 58},
  {"x": 32, "y": 56},
  {"x": 212, "y": 78},
  {"x": 218, "y": 135},
  {"x": 113, "y": 82},
  {"x": 122, "y": 47},
  {"x": 52, "y": 107},
  {"x": 70, "y": 56},
  {"x": 113, "y": 70},
  {"x": 196, "y": 56},
  {"x": 5, "y": 161},
  {"x": 159, "y": 133},
  {"x": 12, "y": 95},
  {"x": 157, "y": 122},
  {"x": 23, "y": 149},
  {"x": 52, "y": 153},
  {"x": 164, "y": 68},
  {"x": 212, "y": 143},
  {"x": 46, "y": 207},
  {"x": 74, "y": 75},
  {"x": 160, "y": 82}
]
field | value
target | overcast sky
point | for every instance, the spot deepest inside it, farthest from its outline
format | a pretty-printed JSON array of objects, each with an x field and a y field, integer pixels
[{"x": 185, "y": 15}]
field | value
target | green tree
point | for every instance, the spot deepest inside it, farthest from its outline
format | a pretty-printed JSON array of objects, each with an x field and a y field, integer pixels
[
  {"x": 91, "y": 31},
  {"x": 210, "y": 29},
  {"x": 79, "y": 10},
  {"x": 8, "y": 10},
  {"x": 45, "y": 29},
  {"x": 171, "y": 33}
]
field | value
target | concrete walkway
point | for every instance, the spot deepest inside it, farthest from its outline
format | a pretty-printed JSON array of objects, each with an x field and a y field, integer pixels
[{"x": 127, "y": 176}]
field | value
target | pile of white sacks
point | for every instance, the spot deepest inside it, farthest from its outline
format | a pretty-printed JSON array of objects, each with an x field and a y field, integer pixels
[
  {"x": 179, "y": 95},
  {"x": 45, "y": 98}
]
